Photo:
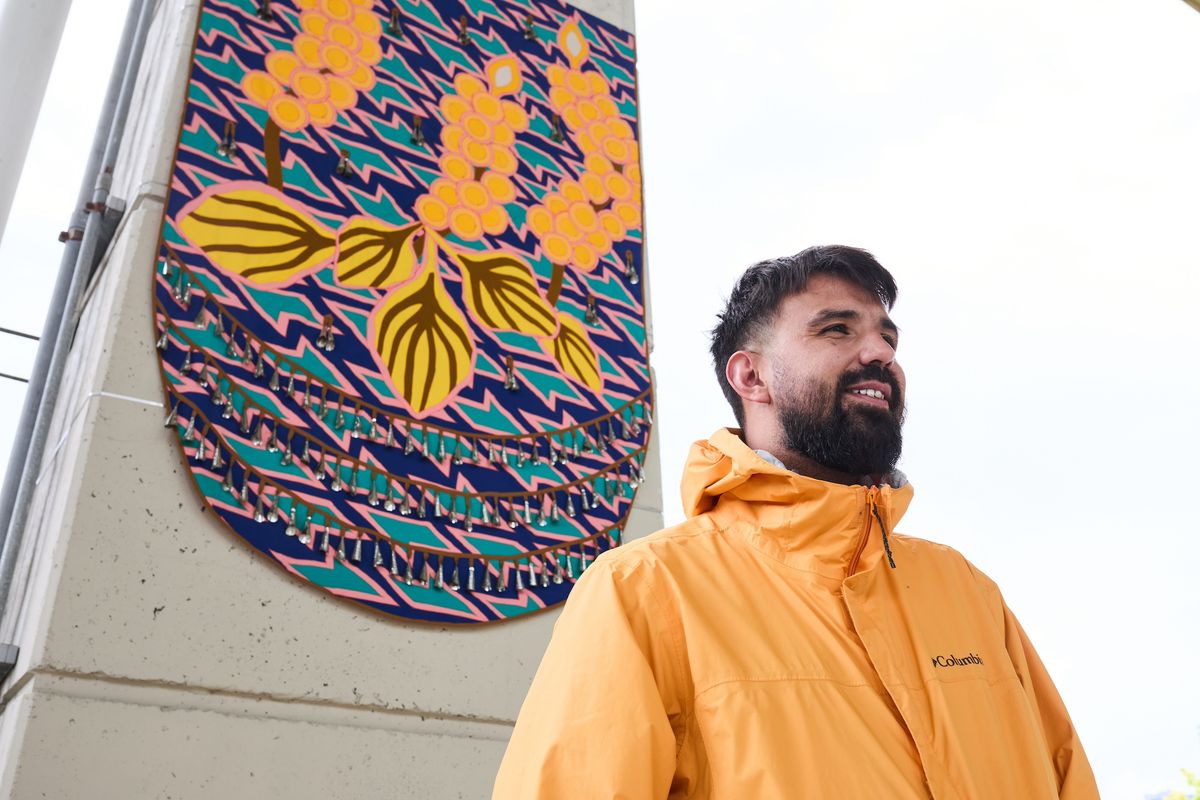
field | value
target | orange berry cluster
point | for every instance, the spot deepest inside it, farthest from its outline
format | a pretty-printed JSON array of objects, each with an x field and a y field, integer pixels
[
  {"x": 580, "y": 221},
  {"x": 477, "y": 161},
  {"x": 330, "y": 63}
]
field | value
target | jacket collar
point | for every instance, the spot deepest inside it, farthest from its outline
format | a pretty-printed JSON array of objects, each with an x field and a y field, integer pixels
[{"x": 802, "y": 522}]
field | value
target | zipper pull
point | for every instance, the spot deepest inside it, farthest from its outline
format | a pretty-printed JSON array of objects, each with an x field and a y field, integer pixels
[{"x": 887, "y": 548}]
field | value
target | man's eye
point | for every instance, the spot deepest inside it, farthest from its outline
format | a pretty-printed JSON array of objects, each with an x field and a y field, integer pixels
[
  {"x": 892, "y": 341},
  {"x": 835, "y": 329}
]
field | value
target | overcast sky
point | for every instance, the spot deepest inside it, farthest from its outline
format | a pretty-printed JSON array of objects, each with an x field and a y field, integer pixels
[{"x": 1029, "y": 172}]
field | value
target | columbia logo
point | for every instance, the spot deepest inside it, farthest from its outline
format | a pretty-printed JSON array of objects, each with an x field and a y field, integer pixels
[{"x": 956, "y": 661}]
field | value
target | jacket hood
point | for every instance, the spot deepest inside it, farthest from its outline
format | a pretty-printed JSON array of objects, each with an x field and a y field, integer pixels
[{"x": 805, "y": 522}]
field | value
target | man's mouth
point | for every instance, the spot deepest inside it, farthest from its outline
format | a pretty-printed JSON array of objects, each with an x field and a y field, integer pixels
[{"x": 872, "y": 393}]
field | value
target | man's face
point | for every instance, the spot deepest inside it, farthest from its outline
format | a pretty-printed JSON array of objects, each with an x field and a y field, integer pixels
[{"x": 835, "y": 384}]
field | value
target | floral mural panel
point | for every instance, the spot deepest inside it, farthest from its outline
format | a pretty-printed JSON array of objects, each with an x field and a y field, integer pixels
[{"x": 398, "y": 300}]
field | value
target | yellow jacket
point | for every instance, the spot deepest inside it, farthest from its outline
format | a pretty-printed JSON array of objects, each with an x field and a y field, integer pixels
[{"x": 765, "y": 649}]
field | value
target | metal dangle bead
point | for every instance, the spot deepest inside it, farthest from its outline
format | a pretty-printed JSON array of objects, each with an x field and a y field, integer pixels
[
  {"x": 408, "y": 570},
  {"x": 291, "y": 385},
  {"x": 528, "y": 515},
  {"x": 273, "y": 509},
  {"x": 358, "y": 550},
  {"x": 441, "y": 580},
  {"x": 259, "y": 516},
  {"x": 545, "y": 573},
  {"x": 558, "y": 570},
  {"x": 189, "y": 432},
  {"x": 325, "y": 539},
  {"x": 541, "y": 517},
  {"x": 391, "y": 437},
  {"x": 470, "y": 574},
  {"x": 570, "y": 506},
  {"x": 487, "y": 577},
  {"x": 570, "y": 566},
  {"x": 217, "y": 461},
  {"x": 555, "y": 516},
  {"x": 395, "y": 569},
  {"x": 292, "y": 529},
  {"x": 377, "y": 559},
  {"x": 273, "y": 384},
  {"x": 341, "y": 551},
  {"x": 514, "y": 520},
  {"x": 454, "y": 584},
  {"x": 172, "y": 415},
  {"x": 306, "y": 533},
  {"x": 389, "y": 504}
]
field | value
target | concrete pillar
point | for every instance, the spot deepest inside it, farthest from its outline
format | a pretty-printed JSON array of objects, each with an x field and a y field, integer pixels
[
  {"x": 162, "y": 658},
  {"x": 30, "y": 31}
]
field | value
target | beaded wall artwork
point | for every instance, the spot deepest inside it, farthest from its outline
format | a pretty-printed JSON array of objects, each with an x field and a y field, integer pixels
[{"x": 399, "y": 300}]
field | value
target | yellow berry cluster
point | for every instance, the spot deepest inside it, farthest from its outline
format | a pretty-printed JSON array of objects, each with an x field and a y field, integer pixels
[
  {"x": 579, "y": 221},
  {"x": 477, "y": 157},
  {"x": 332, "y": 59}
]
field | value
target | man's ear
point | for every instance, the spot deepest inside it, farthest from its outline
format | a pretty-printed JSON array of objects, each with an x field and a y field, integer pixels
[{"x": 745, "y": 372}]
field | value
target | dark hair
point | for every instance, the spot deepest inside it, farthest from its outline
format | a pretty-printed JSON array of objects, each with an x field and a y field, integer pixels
[{"x": 755, "y": 298}]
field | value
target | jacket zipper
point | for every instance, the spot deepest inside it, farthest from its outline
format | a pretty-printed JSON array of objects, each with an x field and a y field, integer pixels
[{"x": 862, "y": 542}]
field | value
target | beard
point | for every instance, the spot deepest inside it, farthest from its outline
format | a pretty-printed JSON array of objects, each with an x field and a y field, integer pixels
[{"x": 859, "y": 440}]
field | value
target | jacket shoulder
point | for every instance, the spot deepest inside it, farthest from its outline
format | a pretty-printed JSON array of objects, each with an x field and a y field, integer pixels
[
  {"x": 949, "y": 558},
  {"x": 685, "y": 540}
]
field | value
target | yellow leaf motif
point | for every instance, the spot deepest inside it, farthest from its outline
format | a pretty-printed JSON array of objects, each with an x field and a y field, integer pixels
[
  {"x": 574, "y": 353},
  {"x": 501, "y": 292},
  {"x": 371, "y": 253},
  {"x": 255, "y": 232},
  {"x": 422, "y": 340}
]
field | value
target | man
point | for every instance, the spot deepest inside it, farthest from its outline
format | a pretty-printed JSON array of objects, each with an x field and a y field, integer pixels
[{"x": 785, "y": 641}]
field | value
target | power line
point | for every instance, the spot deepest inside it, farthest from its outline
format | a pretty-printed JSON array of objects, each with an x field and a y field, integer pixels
[
  {"x": 11, "y": 332},
  {"x": 13, "y": 377}
]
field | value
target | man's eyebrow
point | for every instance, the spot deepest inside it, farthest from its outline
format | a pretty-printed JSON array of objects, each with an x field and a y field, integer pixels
[
  {"x": 847, "y": 315},
  {"x": 831, "y": 314}
]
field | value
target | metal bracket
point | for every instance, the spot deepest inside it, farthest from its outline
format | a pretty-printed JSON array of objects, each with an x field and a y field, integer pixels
[{"x": 8, "y": 660}]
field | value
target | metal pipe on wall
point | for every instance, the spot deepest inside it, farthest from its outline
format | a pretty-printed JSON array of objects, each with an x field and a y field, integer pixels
[{"x": 82, "y": 244}]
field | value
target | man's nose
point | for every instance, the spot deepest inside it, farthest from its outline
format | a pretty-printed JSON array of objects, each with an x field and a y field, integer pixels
[{"x": 877, "y": 350}]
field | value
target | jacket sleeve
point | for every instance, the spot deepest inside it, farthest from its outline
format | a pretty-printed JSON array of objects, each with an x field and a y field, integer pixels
[
  {"x": 600, "y": 719},
  {"x": 1075, "y": 778}
]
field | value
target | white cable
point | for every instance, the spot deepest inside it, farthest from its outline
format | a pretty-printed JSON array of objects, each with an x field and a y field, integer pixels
[{"x": 49, "y": 462}]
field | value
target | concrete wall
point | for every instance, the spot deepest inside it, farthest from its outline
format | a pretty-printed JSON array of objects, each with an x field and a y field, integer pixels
[{"x": 160, "y": 657}]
